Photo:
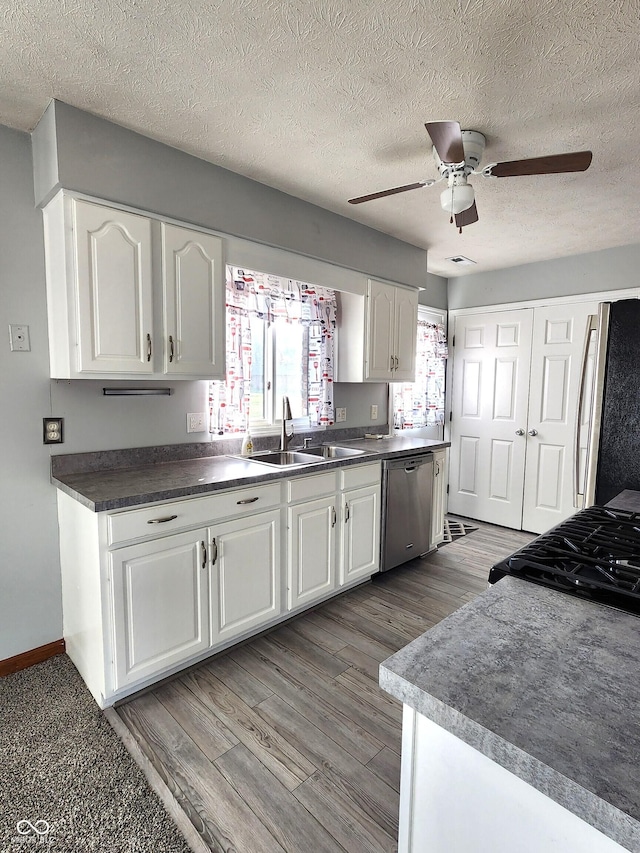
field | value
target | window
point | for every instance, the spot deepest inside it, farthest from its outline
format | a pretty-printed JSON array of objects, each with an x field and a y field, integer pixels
[
  {"x": 421, "y": 403},
  {"x": 279, "y": 342}
]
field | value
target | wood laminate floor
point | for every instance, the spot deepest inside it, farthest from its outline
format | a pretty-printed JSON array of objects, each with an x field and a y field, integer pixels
[{"x": 287, "y": 743}]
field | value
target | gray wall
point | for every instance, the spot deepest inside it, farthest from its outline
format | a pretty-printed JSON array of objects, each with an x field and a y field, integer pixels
[
  {"x": 608, "y": 269},
  {"x": 435, "y": 293},
  {"x": 82, "y": 152},
  {"x": 30, "y": 596}
]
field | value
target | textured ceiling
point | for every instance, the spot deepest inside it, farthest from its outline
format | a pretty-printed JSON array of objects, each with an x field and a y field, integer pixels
[{"x": 327, "y": 100}]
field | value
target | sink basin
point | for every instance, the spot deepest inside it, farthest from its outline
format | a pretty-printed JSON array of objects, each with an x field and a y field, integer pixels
[
  {"x": 283, "y": 458},
  {"x": 328, "y": 451}
]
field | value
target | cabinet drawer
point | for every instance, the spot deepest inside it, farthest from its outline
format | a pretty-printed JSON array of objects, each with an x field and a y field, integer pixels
[
  {"x": 307, "y": 488},
  {"x": 356, "y": 476},
  {"x": 157, "y": 520}
]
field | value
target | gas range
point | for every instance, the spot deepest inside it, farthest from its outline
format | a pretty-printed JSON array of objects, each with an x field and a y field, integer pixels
[{"x": 594, "y": 554}]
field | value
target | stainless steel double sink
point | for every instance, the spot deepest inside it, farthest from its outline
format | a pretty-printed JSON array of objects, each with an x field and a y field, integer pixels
[{"x": 308, "y": 456}]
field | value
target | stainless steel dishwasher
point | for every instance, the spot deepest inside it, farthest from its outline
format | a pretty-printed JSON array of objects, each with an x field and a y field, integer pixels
[{"x": 406, "y": 509}]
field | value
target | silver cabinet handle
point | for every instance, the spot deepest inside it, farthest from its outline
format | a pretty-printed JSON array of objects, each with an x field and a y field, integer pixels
[
  {"x": 214, "y": 552},
  {"x": 391, "y": 363},
  {"x": 148, "y": 347},
  {"x": 533, "y": 432},
  {"x": 397, "y": 361},
  {"x": 161, "y": 520},
  {"x": 204, "y": 555},
  {"x": 347, "y": 513},
  {"x": 247, "y": 501},
  {"x": 170, "y": 348},
  {"x": 519, "y": 432},
  {"x": 334, "y": 517}
]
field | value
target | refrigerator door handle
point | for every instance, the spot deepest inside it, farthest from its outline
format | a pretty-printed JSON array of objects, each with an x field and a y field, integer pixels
[
  {"x": 593, "y": 442},
  {"x": 592, "y": 326}
]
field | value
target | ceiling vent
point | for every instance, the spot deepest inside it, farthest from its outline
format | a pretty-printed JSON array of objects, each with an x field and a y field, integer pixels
[{"x": 461, "y": 261}]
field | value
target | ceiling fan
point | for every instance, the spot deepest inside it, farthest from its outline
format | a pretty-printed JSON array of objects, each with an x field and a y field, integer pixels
[{"x": 458, "y": 154}]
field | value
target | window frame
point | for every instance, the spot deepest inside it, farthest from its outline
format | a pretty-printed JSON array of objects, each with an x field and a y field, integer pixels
[{"x": 428, "y": 315}]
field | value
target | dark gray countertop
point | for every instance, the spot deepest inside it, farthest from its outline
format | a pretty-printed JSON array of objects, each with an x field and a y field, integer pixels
[
  {"x": 545, "y": 685},
  {"x": 628, "y": 499},
  {"x": 119, "y": 488}
]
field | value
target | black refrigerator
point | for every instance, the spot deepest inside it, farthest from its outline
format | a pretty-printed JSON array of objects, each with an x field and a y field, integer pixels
[{"x": 613, "y": 459}]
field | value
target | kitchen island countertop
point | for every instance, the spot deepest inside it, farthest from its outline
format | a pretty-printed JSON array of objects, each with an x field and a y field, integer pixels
[
  {"x": 134, "y": 485},
  {"x": 545, "y": 685}
]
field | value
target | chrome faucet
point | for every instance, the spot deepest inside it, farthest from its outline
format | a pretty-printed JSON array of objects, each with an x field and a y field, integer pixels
[{"x": 285, "y": 437}]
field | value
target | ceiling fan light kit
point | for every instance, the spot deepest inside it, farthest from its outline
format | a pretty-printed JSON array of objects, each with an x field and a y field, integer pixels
[
  {"x": 458, "y": 154},
  {"x": 457, "y": 197}
]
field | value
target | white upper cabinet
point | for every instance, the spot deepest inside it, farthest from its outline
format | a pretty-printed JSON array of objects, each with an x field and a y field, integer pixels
[
  {"x": 377, "y": 334},
  {"x": 193, "y": 311},
  {"x": 115, "y": 311}
]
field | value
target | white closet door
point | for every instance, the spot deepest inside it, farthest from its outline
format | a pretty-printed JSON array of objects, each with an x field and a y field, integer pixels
[
  {"x": 489, "y": 408},
  {"x": 558, "y": 344}
]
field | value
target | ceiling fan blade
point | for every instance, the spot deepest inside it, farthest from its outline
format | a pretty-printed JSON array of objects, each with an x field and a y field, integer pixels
[
  {"x": 447, "y": 140},
  {"x": 467, "y": 217},
  {"x": 383, "y": 193},
  {"x": 552, "y": 165}
]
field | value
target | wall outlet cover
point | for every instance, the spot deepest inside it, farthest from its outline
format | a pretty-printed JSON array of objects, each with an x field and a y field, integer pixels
[
  {"x": 19, "y": 338},
  {"x": 341, "y": 415},
  {"x": 52, "y": 430},
  {"x": 196, "y": 422},
  {"x": 374, "y": 413}
]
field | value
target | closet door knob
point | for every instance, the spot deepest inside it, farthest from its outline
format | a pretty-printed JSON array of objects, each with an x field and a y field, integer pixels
[
  {"x": 519, "y": 432},
  {"x": 533, "y": 432}
]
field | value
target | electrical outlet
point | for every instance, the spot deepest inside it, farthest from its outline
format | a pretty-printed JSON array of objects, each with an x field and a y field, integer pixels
[
  {"x": 52, "y": 430},
  {"x": 19, "y": 338},
  {"x": 196, "y": 422},
  {"x": 341, "y": 415},
  {"x": 374, "y": 413}
]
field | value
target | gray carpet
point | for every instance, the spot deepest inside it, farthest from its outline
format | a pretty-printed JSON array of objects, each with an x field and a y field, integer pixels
[{"x": 63, "y": 766}]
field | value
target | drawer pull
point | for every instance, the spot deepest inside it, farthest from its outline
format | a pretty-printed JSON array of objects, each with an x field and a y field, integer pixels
[
  {"x": 148, "y": 347},
  {"x": 214, "y": 552},
  {"x": 247, "y": 501},
  {"x": 347, "y": 513},
  {"x": 161, "y": 520},
  {"x": 204, "y": 555}
]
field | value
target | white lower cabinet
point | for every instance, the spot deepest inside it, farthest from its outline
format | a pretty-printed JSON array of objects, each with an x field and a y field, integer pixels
[
  {"x": 439, "y": 496},
  {"x": 334, "y": 540},
  {"x": 150, "y": 590},
  {"x": 360, "y": 546},
  {"x": 311, "y": 568},
  {"x": 160, "y": 605},
  {"x": 245, "y": 574}
]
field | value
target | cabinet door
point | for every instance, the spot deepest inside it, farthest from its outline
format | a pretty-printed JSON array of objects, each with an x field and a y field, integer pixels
[
  {"x": 360, "y": 551},
  {"x": 193, "y": 302},
  {"x": 245, "y": 574},
  {"x": 160, "y": 605},
  {"x": 380, "y": 331},
  {"x": 114, "y": 290},
  {"x": 311, "y": 550},
  {"x": 439, "y": 497},
  {"x": 405, "y": 333}
]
